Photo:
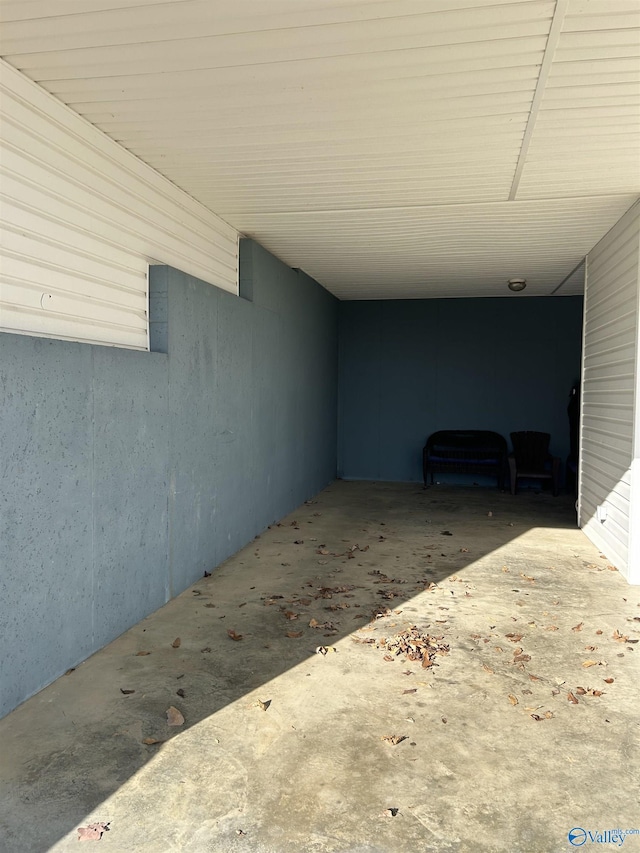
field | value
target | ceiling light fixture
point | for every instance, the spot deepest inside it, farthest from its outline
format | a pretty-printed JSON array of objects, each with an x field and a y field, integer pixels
[{"x": 517, "y": 284}]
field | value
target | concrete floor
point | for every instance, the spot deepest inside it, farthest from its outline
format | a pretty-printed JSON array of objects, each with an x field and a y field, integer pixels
[{"x": 476, "y": 772}]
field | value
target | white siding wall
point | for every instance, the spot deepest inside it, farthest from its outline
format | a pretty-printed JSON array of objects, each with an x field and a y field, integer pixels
[
  {"x": 609, "y": 429},
  {"x": 80, "y": 219}
]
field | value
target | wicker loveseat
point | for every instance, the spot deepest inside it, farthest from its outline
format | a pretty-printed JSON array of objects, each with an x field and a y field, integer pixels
[{"x": 465, "y": 452}]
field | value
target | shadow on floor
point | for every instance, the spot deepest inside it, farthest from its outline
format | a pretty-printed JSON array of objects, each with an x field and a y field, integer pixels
[{"x": 358, "y": 557}]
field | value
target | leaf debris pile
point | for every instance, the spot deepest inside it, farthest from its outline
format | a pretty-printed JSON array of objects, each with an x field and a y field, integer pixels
[{"x": 415, "y": 645}]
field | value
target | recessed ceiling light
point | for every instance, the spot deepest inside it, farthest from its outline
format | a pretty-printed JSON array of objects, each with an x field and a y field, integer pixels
[{"x": 517, "y": 284}]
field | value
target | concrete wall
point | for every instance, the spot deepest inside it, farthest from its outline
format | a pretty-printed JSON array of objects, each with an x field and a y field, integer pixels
[
  {"x": 127, "y": 474},
  {"x": 409, "y": 368}
]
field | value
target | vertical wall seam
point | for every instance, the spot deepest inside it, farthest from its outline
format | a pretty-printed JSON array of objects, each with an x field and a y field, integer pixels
[{"x": 93, "y": 499}]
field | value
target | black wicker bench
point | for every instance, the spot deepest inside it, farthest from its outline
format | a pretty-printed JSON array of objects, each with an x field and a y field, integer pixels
[{"x": 465, "y": 452}]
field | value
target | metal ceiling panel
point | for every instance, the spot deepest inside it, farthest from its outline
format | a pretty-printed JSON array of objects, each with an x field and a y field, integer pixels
[{"x": 390, "y": 148}]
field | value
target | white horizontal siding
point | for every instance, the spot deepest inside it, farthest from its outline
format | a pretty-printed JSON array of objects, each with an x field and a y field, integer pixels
[
  {"x": 610, "y": 379},
  {"x": 81, "y": 218}
]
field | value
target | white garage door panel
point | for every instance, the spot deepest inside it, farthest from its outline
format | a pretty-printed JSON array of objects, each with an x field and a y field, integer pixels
[{"x": 81, "y": 218}]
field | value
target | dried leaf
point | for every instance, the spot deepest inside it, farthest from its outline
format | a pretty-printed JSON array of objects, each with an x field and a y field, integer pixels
[
  {"x": 294, "y": 634},
  {"x": 394, "y": 740},
  {"x": 536, "y": 717},
  {"x": 578, "y": 627},
  {"x": 206, "y": 649},
  {"x": 142, "y": 654},
  {"x": 126, "y": 692},
  {"x": 151, "y": 740},
  {"x": 314, "y": 623},
  {"x": 590, "y": 663},
  {"x": 580, "y": 691},
  {"x": 174, "y": 717},
  {"x": 513, "y": 699},
  {"x": 263, "y": 705},
  {"x": 521, "y": 658},
  {"x": 410, "y": 690},
  {"x": 548, "y": 715},
  {"x": 551, "y": 628},
  {"x": 180, "y": 692},
  {"x": 176, "y": 643},
  {"x": 571, "y": 698},
  {"x": 515, "y": 638},
  {"x": 608, "y": 680},
  {"x": 621, "y": 638},
  {"x": 390, "y": 812},
  {"x": 487, "y": 668},
  {"x": 93, "y": 832},
  {"x": 233, "y": 635}
]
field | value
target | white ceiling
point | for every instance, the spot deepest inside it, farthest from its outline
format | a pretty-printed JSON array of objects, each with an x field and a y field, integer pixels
[{"x": 390, "y": 148}]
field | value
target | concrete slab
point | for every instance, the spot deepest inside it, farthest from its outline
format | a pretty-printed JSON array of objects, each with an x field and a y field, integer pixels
[{"x": 496, "y": 755}]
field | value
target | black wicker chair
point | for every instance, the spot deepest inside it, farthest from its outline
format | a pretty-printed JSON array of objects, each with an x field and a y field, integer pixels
[{"x": 531, "y": 459}]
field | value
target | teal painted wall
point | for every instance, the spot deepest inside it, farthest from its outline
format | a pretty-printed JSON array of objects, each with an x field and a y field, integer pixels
[
  {"x": 409, "y": 368},
  {"x": 127, "y": 474}
]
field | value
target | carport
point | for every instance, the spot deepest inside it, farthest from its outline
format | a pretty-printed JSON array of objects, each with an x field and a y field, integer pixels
[{"x": 251, "y": 248}]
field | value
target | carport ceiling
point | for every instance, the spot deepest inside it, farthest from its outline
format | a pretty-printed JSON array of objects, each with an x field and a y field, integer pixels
[{"x": 402, "y": 148}]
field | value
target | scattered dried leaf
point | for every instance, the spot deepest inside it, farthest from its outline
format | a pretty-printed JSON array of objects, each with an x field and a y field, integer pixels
[
  {"x": 180, "y": 692},
  {"x": 608, "y": 680},
  {"x": 149, "y": 741},
  {"x": 294, "y": 635},
  {"x": 234, "y": 635},
  {"x": 394, "y": 740},
  {"x": 263, "y": 705},
  {"x": 513, "y": 699},
  {"x": 93, "y": 832},
  {"x": 174, "y": 717},
  {"x": 587, "y": 663},
  {"x": 126, "y": 692},
  {"x": 142, "y": 654},
  {"x": 410, "y": 690},
  {"x": 578, "y": 627},
  {"x": 176, "y": 643},
  {"x": 571, "y": 698}
]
